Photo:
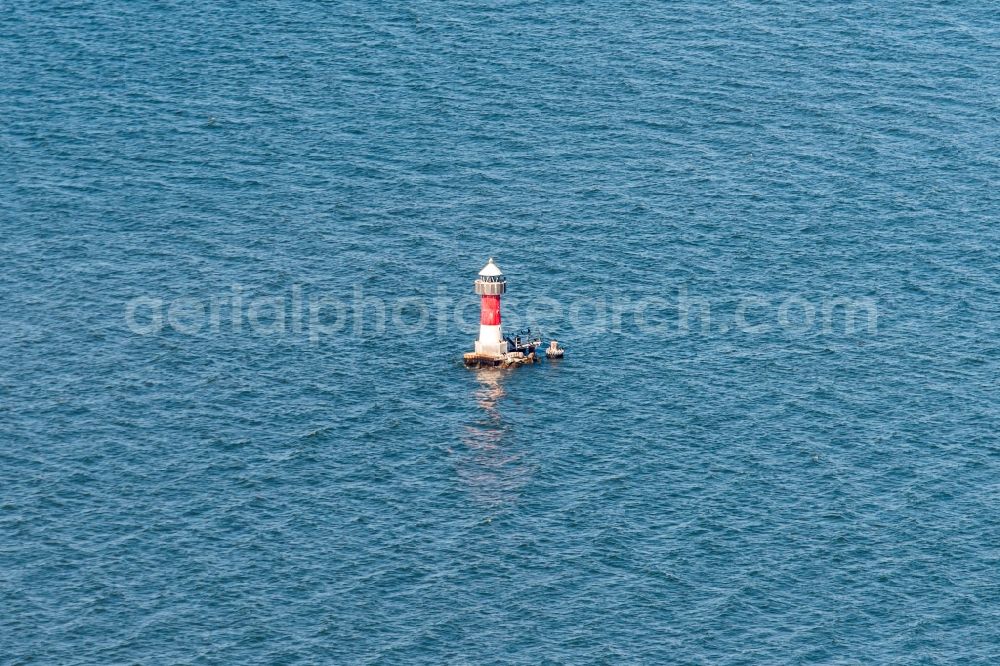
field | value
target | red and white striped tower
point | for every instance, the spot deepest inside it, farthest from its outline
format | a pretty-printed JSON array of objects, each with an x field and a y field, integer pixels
[{"x": 490, "y": 285}]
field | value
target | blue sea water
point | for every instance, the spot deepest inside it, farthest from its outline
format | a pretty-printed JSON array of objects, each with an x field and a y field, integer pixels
[{"x": 219, "y": 493}]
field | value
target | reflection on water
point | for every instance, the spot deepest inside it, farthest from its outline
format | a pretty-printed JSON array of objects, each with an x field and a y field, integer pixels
[
  {"x": 490, "y": 391},
  {"x": 489, "y": 465}
]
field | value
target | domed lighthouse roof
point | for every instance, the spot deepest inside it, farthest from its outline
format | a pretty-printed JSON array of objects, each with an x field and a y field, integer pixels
[{"x": 490, "y": 269}]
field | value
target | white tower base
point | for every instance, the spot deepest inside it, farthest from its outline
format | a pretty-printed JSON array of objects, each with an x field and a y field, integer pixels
[{"x": 490, "y": 340}]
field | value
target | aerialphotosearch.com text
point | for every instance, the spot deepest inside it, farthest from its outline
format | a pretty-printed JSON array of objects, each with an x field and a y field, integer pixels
[{"x": 322, "y": 316}]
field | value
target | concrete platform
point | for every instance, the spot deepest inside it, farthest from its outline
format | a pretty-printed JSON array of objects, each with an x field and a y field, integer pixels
[{"x": 508, "y": 360}]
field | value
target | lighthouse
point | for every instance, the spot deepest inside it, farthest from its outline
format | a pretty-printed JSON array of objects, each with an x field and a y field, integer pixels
[
  {"x": 493, "y": 349},
  {"x": 491, "y": 284}
]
